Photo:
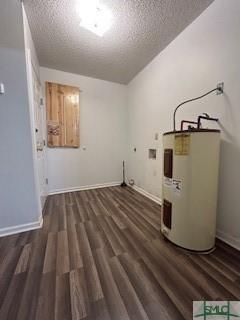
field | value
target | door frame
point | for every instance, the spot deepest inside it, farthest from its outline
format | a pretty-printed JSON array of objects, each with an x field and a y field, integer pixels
[{"x": 33, "y": 136}]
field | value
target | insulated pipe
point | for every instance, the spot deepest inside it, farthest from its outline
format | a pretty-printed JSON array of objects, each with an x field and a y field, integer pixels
[
  {"x": 187, "y": 121},
  {"x": 205, "y": 118}
]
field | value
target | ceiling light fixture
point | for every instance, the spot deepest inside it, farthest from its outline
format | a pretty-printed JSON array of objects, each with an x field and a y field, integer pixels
[{"x": 95, "y": 17}]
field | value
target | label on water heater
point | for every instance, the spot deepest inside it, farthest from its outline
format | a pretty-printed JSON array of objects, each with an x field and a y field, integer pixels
[
  {"x": 167, "y": 182},
  {"x": 177, "y": 186},
  {"x": 182, "y": 144}
]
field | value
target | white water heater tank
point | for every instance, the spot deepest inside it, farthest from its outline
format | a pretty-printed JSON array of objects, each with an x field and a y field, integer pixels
[{"x": 190, "y": 187}]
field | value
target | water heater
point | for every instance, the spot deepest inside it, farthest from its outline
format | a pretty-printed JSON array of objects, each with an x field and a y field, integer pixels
[{"x": 190, "y": 186}]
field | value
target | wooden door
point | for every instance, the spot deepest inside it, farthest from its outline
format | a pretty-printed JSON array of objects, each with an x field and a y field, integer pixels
[{"x": 62, "y": 115}]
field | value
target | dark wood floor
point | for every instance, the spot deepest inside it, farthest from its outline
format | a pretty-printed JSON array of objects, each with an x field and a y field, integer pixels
[{"x": 100, "y": 256}]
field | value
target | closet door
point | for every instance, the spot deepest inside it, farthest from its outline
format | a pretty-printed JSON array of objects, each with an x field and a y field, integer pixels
[{"x": 62, "y": 115}]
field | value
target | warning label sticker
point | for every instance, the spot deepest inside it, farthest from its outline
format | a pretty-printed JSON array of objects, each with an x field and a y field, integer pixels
[
  {"x": 177, "y": 186},
  {"x": 167, "y": 182},
  {"x": 182, "y": 144}
]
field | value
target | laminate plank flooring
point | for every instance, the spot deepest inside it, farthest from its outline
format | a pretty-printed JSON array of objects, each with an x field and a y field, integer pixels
[{"x": 100, "y": 256}]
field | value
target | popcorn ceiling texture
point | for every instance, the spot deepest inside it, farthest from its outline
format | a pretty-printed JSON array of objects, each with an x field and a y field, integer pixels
[{"x": 140, "y": 30}]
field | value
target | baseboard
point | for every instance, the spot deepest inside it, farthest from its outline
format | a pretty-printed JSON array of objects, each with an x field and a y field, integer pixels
[
  {"x": 21, "y": 228},
  {"x": 147, "y": 194},
  {"x": 89, "y": 187},
  {"x": 232, "y": 241}
]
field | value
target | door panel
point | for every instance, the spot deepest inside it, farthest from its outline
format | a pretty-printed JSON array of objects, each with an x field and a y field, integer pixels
[{"x": 40, "y": 141}]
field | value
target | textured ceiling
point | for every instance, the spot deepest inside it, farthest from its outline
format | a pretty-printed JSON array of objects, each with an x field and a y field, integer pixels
[{"x": 140, "y": 30}]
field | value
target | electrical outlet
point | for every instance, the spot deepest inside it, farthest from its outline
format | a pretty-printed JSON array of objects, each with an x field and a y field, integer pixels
[{"x": 220, "y": 88}]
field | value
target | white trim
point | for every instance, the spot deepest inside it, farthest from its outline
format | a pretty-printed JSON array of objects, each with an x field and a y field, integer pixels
[
  {"x": 147, "y": 194},
  {"x": 21, "y": 228},
  {"x": 89, "y": 187},
  {"x": 232, "y": 241}
]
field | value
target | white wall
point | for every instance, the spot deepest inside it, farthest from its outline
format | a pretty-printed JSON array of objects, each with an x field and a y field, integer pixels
[
  {"x": 18, "y": 197},
  {"x": 205, "y": 53},
  {"x": 102, "y": 132}
]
